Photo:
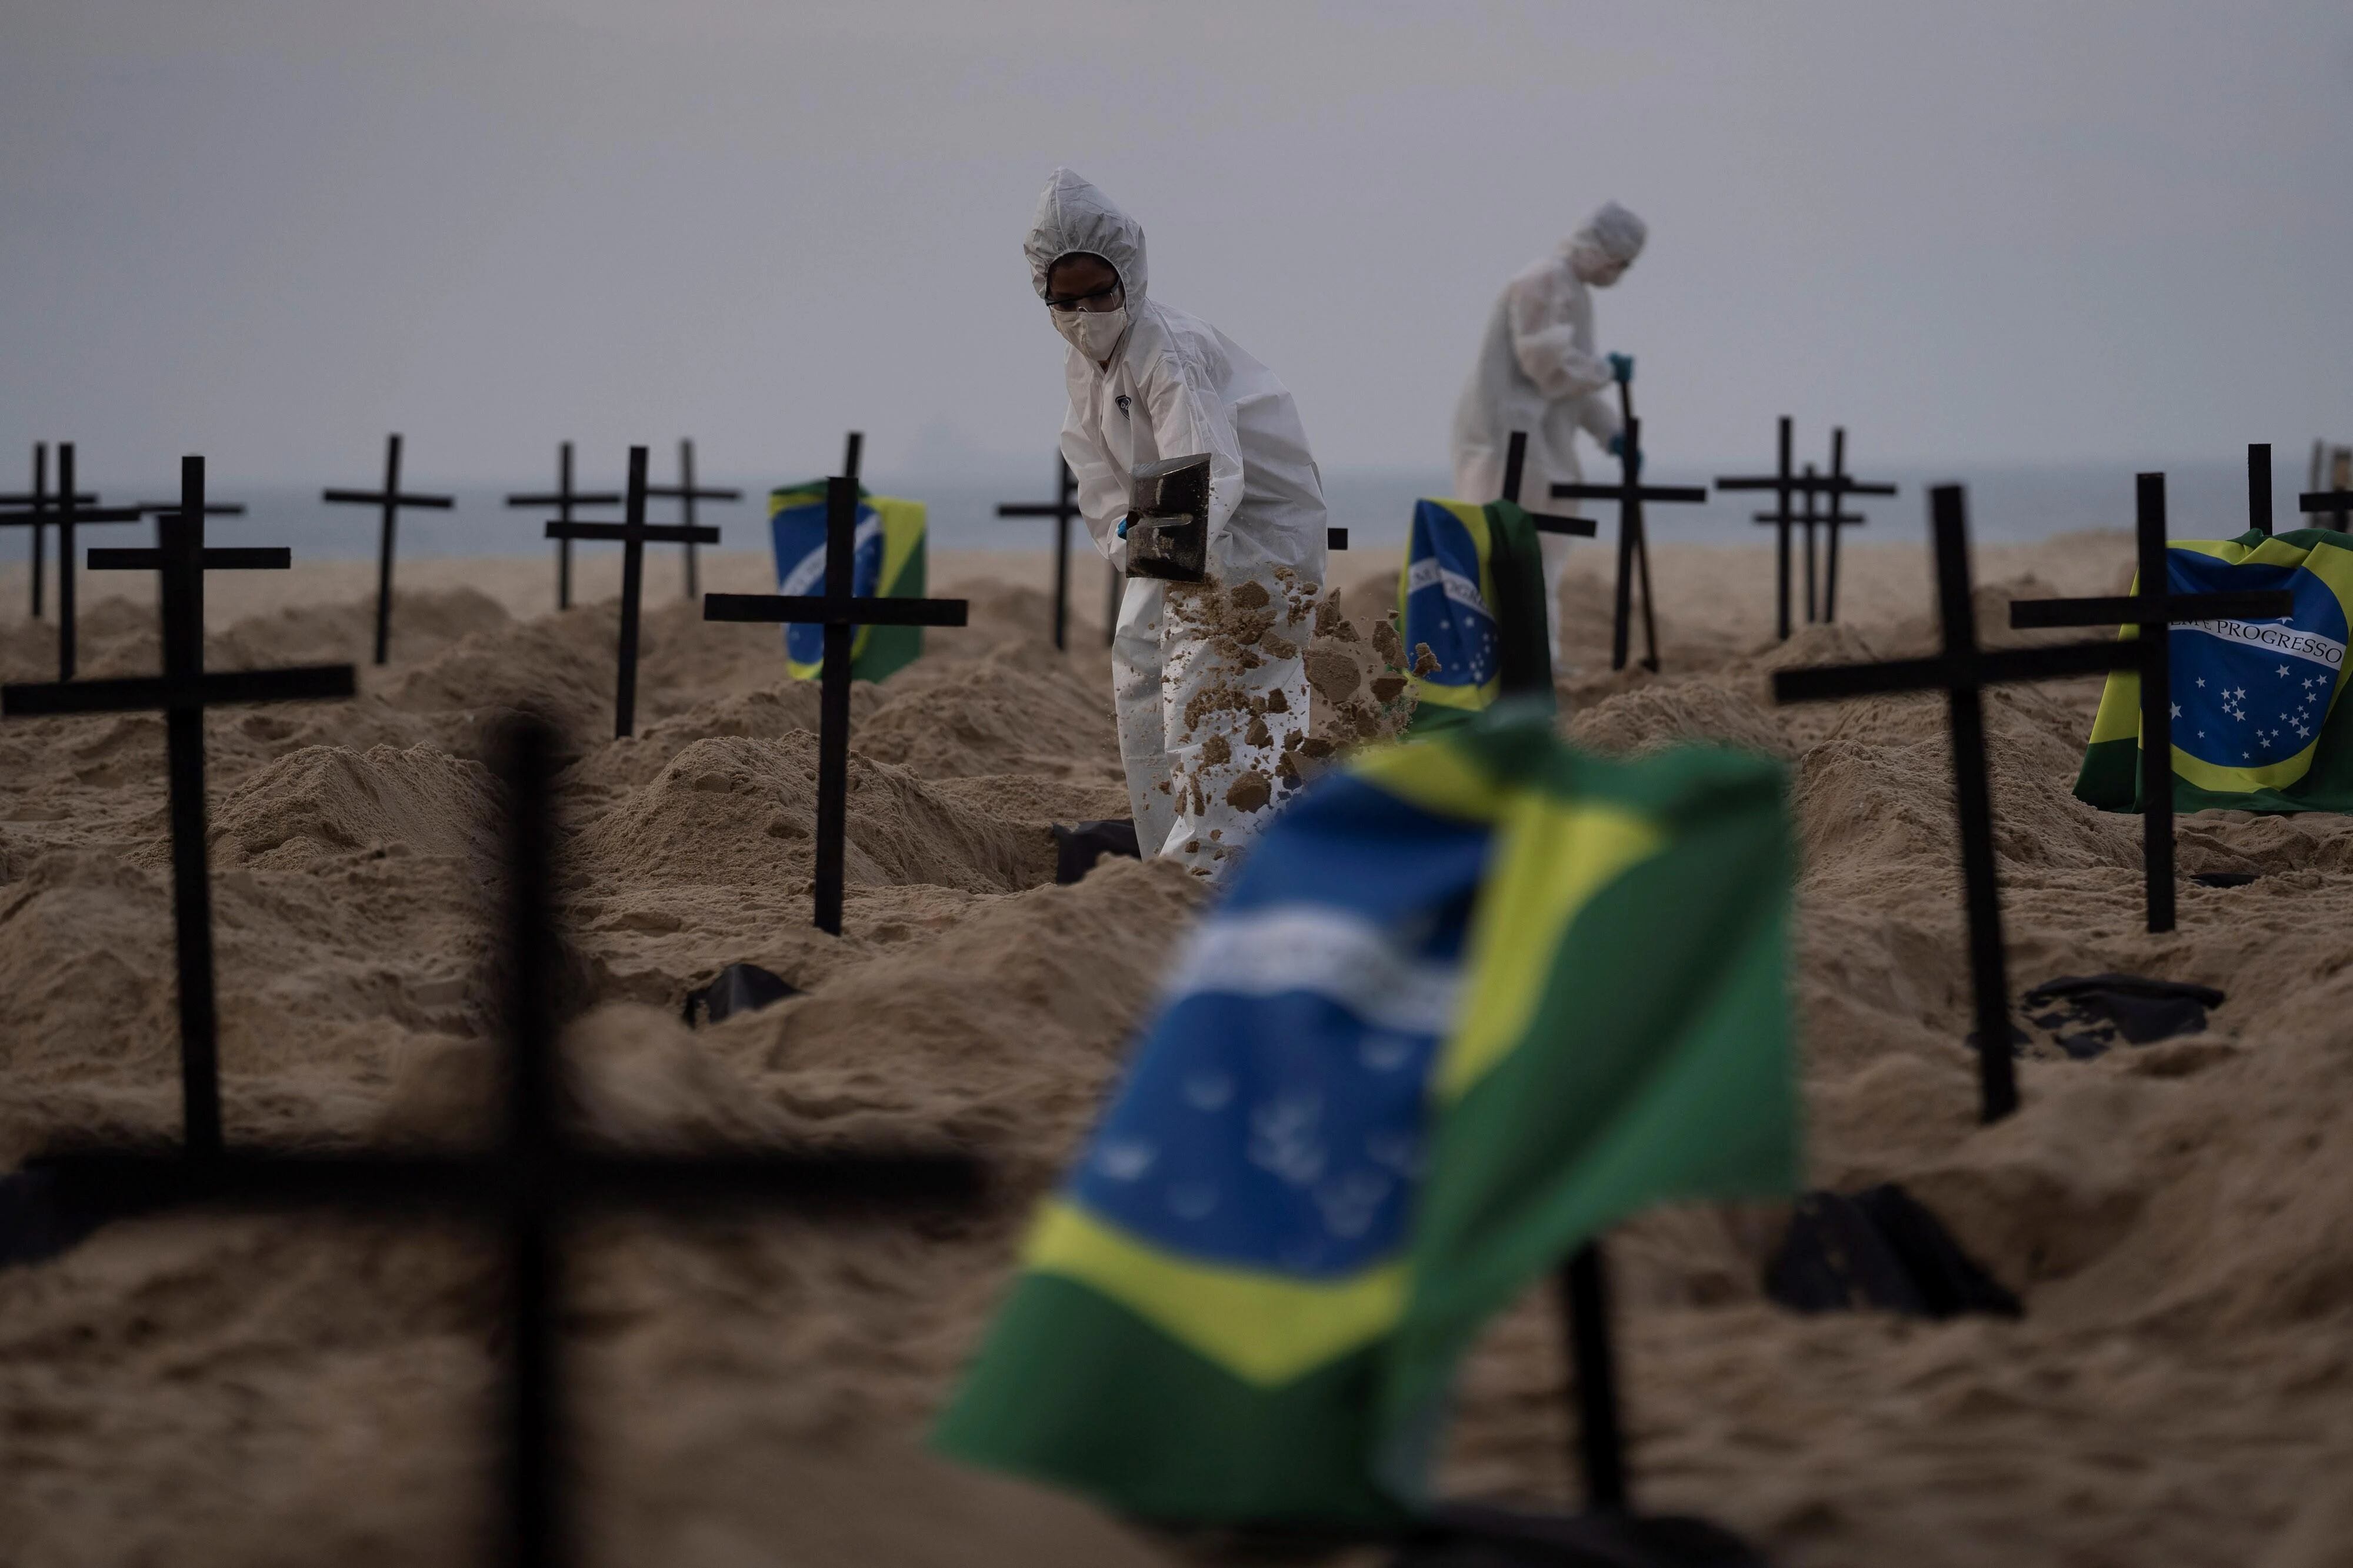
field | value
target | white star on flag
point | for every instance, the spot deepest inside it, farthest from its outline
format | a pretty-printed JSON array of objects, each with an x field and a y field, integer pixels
[
  {"x": 2283, "y": 669},
  {"x": 2201, "y": 682},
  {"x": 2177, "y": 710}
]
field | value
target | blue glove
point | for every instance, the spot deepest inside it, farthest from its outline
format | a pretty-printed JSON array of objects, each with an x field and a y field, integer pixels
[
  {"x": 1617, "y": 449},
  {"x": 1622, "y": 367},
  {"x": 1123, "y": 522}
]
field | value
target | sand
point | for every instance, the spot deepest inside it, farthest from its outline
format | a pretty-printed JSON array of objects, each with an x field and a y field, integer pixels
[{"x": 2178, "y": 1218}]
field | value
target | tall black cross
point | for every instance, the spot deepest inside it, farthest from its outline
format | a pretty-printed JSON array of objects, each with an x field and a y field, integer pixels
[
  {"x": 2150, "y": 612},
  {"x": 1599, "y": 1440},
  {"x": 564, "y": 498},
  {"x": 1515, "y": 463},
  {"x": 634, "y": 533},
  {"x": 1633, "y": 549},
  {"x": 66, "y": 509},
  {"x": 1061, "y": 509},
  {"x": 841, "y": 612},
  {"x": 37, "y": 502},
  {"x": 686, "y": 495},
  {"x": 389, "y": 500},
  {"x": 2259, "y": 486},
  {"x": 183, "y": 692},
  {"x": 1963, "y": 671},
  {"x": 532, "y": 1182}
]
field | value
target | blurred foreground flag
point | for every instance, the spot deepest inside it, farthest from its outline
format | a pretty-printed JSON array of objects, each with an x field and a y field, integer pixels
[
  {"x": 888, "y": 562},
  {"x": 1472, "y": 593},
  {"x": 2254, "y": 702},
  {"x": 1467, "y": 1003}
]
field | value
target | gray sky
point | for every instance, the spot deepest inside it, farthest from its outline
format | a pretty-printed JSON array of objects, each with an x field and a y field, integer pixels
[{"x": 2006, "y": 230}]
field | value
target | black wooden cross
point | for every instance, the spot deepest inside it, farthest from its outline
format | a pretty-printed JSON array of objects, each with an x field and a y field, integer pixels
[
  {"x": 2151, "y": 612},
  {"x": 2259, "y": 486},
  {"x": 183, "y": 692},
  {"x": 1599, "y": 1440},
  {"x": 1785, "y": 484},
  {"x": 564, "y": 498},
  {"x": 66, "y": 509},
  {"x": 841, "y": 612},
  {"x": 634, "y": 533},
  {"x": 1963, "y": 671},
  {"x": 1836, "y": 486},
  {"x": 686, "y": 495},
  {"x": 39, "y": 503},
  {"x": 389, "y": 500},
  {"x": 1061, "y": 509},
  {"x": 1633, "y": 548},
  {"x": 532, "y": 1182}
]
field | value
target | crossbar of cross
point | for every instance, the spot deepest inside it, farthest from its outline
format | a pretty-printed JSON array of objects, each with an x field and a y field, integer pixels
[{"x": 2335, "y": 505}]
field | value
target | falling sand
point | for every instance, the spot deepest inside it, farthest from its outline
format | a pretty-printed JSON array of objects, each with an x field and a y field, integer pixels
[{"x": 2178, "y": 1218}]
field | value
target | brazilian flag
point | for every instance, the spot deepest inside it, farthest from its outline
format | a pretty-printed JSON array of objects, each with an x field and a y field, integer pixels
[
  {"x": 1470, "y": 1001},
  {"x": 2255, "y": 726},
  {"x": 888, "y": 562},
  {"x": 1472, "y": 593}
]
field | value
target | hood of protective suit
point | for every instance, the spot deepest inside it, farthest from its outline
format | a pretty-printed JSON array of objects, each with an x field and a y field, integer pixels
[
  {"x": 1073, "y": 214},
  {"x": 1611, "y": 232}
]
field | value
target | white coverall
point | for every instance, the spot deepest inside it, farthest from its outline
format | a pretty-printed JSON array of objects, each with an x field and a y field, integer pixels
[
  {"x": 1537, "y": 371},
  {"x": 1207, "y": 681}
]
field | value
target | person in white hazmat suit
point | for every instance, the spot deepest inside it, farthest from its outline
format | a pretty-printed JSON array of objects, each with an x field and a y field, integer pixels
[
  {"x": 1210, "y": 678},
  {"x": 1537, "y": 371}
]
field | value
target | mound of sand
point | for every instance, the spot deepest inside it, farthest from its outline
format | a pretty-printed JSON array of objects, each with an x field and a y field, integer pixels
[{"x": 268, "y": 1390}]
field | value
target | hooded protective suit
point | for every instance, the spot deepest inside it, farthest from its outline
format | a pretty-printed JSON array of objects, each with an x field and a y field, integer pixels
[
  {"x": 1208, "y": 679},
  {"x": 1537, "y": 371}
]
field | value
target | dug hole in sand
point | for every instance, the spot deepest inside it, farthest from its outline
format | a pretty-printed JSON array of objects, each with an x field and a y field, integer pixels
[{"x": 2177, "y": 1218}]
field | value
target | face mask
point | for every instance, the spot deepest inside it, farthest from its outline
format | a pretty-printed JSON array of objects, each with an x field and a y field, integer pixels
[{"x": 1092, "y": 333}]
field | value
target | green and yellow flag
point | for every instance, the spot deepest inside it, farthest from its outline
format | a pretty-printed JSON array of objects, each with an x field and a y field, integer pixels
[
  {"x": 1468, "y": 1003},
  {"x": 888, "y": 562},
  {"x": 2255, "y": 726},
  {"x": 1472, "y": 593}
]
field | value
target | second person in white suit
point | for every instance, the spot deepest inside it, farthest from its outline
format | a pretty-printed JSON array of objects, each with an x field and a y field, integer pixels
[{"x": 1538, "y": 371}]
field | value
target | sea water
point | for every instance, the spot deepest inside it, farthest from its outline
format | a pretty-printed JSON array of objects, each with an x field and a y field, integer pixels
[{"x": 2007, "y": 504}]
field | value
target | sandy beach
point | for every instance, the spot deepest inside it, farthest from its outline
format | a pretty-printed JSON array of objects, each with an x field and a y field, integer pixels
[{"x": 2177, "y": 1218}]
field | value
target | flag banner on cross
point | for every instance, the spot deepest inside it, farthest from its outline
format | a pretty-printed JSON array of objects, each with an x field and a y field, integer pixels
[
  {"x": 1472, "y": 593},
  {"x": 1468, "y": 1002},
  {"x": 2254, "y": 700},
  {"x": 890, "y": 564}
]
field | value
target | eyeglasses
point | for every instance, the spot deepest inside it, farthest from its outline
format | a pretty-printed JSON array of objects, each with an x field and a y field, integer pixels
[{"x": 1101, "y": 299}]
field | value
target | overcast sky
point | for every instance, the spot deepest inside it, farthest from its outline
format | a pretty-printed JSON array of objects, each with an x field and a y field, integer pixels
[{"x": 1997, "y": 231}]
